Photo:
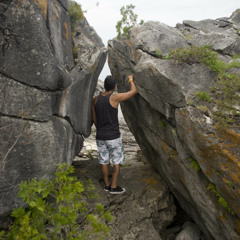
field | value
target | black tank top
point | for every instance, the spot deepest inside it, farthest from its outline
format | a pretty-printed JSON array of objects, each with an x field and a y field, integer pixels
[{"x": 107, "y": 119}]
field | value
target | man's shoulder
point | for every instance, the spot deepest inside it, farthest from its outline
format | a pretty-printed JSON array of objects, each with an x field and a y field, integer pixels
[{"x": 115, "y": 96}]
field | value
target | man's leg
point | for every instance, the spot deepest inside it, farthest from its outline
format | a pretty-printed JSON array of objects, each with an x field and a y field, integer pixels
[
  {"x": 115, "y": 174},
  {"x": 104, "y": 168},
  {"x": 103, "y": 159},
  {"x": 117, "y": 156}
]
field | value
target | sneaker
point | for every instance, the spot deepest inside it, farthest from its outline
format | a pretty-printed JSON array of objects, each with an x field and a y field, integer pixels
[
  {"x": 107, "y": 188},
  {"x": 117, "y": 190}
]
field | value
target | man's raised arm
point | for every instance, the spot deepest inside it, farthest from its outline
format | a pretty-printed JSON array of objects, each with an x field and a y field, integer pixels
[{"x": 120, "y": 97}]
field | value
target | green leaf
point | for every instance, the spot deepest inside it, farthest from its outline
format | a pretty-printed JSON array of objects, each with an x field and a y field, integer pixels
[{"x": 54, "y": 207}]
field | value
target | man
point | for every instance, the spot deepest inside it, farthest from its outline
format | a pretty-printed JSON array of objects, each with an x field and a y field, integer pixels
[{"x": 108, "y": 137}]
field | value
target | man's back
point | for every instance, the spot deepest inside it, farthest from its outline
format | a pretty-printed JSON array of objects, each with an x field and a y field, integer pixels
[{"x": 107, "y": 119}]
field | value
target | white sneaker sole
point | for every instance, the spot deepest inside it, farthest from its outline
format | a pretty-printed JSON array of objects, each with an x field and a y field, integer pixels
[{"x": 115, "y": 193}]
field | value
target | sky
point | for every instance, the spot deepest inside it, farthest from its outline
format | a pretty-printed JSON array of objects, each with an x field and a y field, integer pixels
[{"x": 103, "y": 15}]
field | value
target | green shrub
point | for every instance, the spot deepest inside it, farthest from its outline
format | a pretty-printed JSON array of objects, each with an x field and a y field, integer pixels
[
  {"x": 57, "y": 209},
  {"x": 75, "y": 52},
  {"x": 195, "y": 165},
  {"x": 75, "y": 13},
  {"x": 129, "y": 18},
  {"x": 221, "y": 200},
  {"x": 158, "y": 54},
  {"x": 229, "y": 183},
  {"x": 204, "y": 96},
  {"x": 195, "y": 54}
]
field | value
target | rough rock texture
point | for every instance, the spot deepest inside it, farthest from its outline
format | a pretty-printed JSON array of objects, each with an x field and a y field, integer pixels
[
  {"x": 45, "y": 96},
  {"x": 190, "y": 231},
  {"x": 174, "y": 135},
  {"x": 77, "y": 98},
  {"x": 146, "y": 208}
]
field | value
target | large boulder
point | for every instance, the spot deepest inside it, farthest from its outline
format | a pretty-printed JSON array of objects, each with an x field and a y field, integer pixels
[
  {"x": 45, "y": 96},
  {"x": 90, "y": 58},
  {"x": 199, "y": 162},
  {"x": 221, "y": 34}
]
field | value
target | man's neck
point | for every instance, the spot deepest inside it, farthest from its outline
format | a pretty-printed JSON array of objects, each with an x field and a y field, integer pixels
[{"x": 107, "y": 92}]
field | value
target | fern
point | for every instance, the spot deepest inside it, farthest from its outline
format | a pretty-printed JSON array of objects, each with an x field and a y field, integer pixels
[
  {"x": 221, "y": 200},
  {"x": 195, "y": 165}
]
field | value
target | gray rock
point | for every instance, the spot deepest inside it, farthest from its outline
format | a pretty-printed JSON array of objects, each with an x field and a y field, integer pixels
[
  {"x": 45, "y": 100},
  {"x": 155, "y": 33},
  {"x": 89, "y": 63},
  {"x": 218, "y": 42},
  {"x": 221, "y": 34},
  {"x": 39, "y": 149},
  {"x": 174, "y": 135},
  {"x": 99, "y": 88},
  {"x": 80, "y": 93},
  {"x": 235, "y": 17},
  {"x": 88, "y": 45},
  {"x": 22, "y": 101},
  {"x": 205, "y": 26},
  {"x": 190, "y": 232},
  {"x": 32, "y": 50}
]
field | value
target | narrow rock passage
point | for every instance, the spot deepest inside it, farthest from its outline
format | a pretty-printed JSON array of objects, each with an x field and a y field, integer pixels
[{"x": 146, "y": 208}]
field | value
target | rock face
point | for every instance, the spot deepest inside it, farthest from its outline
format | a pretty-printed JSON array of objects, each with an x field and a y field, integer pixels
[
  {"x": 45, "y": 96},
  {"x": 199, "y": 162}
]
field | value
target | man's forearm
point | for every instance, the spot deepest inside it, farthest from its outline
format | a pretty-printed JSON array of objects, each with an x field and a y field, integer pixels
[{"x": 133, "y": 87}]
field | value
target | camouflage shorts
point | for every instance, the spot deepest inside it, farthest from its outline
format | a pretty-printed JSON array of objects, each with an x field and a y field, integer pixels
[{"x": 110, "y": 149}]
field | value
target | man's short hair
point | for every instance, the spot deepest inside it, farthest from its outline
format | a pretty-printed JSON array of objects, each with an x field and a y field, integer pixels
[{"x": 109, "y": 83}]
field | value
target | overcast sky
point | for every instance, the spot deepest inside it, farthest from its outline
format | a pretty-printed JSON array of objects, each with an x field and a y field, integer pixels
[{"x": 103, "y": 15}]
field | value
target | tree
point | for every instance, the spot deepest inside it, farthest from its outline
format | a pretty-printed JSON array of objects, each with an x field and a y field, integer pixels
[{"x": 129, "y": 19}]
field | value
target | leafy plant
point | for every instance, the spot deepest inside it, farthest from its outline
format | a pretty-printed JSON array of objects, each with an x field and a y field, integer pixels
[
  {"x": 204, "y": 96},
  {"x": 190, "y": 102},
  {"x": 228, "y": 182},
  {"x": 57, "y": 209},
  {"x": 195, "y": 165},
  {"x": 158, "y": 54},
  {"x": 75, "y": 52},
  {"x": 221, "y": 200},
  {"x": 129, "y": 19},
  {"x": 162, "y": 124},
  {"x": 75, "y": 13}
]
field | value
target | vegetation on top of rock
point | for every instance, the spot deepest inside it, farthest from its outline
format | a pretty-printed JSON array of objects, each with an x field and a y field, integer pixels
[
  {"x": 57, "y": 209},
  {"x": 204, "y": 96},
  {"x": 225, "y": 90},
  {"x": 129, "y": 19},
  {"x": 75, "y": 13}
]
